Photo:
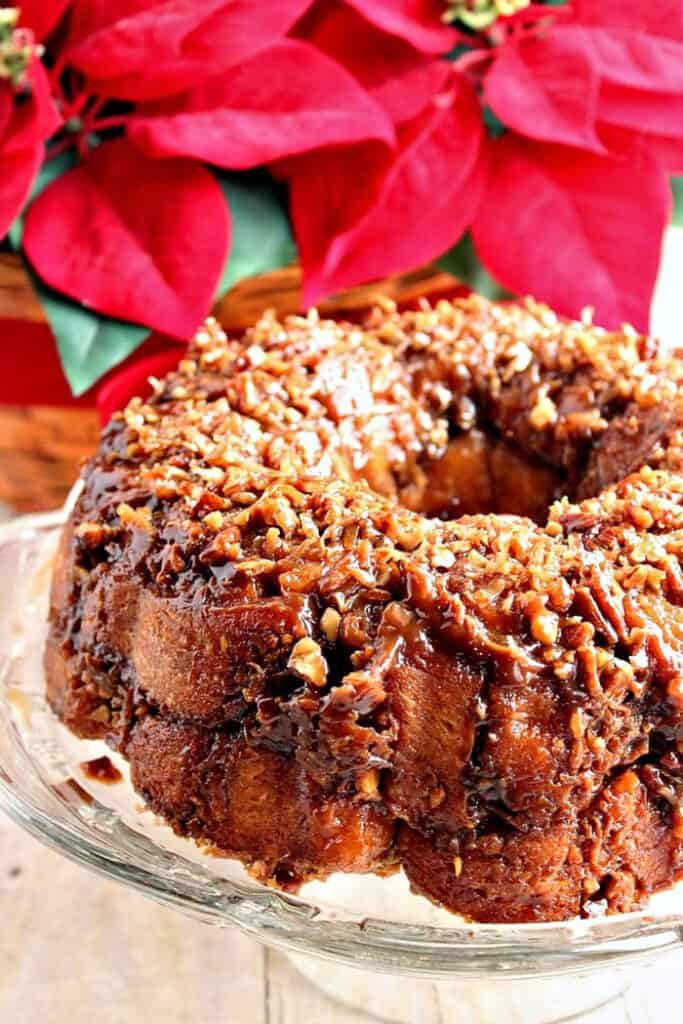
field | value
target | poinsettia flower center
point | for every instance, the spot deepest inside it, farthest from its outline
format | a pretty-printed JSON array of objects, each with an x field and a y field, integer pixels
[
  {"x": 88, "y": 120},
  {"x": 481, "y": 14},
  {"x": 17, "y": 47}
]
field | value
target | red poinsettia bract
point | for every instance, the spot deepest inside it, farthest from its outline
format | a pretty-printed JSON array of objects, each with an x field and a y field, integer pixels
[
  {"x": 549, "y": 135},
  {"x": 439, "y": 155},
  {"x": 570, "y": 203},
  {"x": 27, "y": 118},
  {"x": 133, "y": 237},
  {"x": 138, "y": 229}
]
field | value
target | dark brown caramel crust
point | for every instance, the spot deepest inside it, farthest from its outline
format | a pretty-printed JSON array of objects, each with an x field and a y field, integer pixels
[{"x": 313, "y": 591}]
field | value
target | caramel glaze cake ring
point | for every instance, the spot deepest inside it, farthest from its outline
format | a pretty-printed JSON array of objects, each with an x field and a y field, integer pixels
[{"x": 312, "y": 591}]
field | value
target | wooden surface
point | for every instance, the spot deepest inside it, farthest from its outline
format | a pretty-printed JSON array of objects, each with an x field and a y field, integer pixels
[
  {"x": 41, "y": 448},
  {"x": 17, "y": 299},
  {"x": 281, "y": 289}
]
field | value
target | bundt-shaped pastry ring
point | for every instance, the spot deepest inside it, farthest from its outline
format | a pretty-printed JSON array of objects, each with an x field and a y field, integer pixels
[{"x": 323, "y": 590}]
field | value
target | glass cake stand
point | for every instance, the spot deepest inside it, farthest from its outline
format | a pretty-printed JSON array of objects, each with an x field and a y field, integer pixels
[{"x": 381, "y": 943}]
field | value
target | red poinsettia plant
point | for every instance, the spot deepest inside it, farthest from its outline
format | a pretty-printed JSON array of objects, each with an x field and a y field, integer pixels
[{"x": 152, "y": 152}]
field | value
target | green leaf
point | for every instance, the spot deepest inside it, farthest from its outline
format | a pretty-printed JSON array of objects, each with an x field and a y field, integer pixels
[
  {"x": 458, "y": 51},
  {"x": 48, "y": 172},
  {"x": 261, "y": 235},
  {"x": 89, "y": 344},
  {"x": 463, "y": 262},
  {"x": 495, "y": 126},
  {"x": 677, "y": 189}
]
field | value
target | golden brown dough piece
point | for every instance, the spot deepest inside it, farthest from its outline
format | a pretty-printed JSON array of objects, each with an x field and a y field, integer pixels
[
  {"x": 320, "y": 591},
  {"x": 254, "y": 804}
]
